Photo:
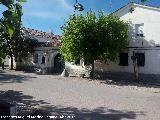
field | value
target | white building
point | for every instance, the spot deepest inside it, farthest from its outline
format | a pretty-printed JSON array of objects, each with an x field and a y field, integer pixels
[
  {"x": 144, "y": 40},
  {"x": 46, "y": 57}
]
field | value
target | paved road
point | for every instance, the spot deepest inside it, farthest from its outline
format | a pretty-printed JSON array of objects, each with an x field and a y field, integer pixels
[{"x": 79, "y": 98}]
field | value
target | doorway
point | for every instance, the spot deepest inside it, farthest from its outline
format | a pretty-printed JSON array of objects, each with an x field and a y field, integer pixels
[{"x": 58, "y": 64}]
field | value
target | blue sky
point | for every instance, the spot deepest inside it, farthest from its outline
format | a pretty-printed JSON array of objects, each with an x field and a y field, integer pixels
[{"x": 51, "y": 14}]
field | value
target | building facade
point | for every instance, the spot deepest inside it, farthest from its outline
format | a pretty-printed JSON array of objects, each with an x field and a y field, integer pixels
[
  {"x": 143, "y": 50},
  {"x": 46, "y": 57}
]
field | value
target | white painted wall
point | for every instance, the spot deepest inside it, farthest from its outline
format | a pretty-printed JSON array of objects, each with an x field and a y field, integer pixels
[
  {"x": 152, "y": 63},
  {"x": 48, "y": 52},
  {"x": 6, "y": 62},
  {"x": 73, "y": 68},
  {"x": 150, "y": 17}
]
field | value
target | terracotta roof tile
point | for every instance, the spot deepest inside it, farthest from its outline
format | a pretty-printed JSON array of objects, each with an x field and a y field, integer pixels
[{"x": 56, "y": 38}]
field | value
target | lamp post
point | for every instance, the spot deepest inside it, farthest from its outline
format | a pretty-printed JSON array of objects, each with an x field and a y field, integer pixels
[{"x": 78, "y": 6}]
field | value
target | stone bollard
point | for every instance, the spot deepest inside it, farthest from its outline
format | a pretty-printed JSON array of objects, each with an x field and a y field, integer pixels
[{"x": 65, "y": 73}]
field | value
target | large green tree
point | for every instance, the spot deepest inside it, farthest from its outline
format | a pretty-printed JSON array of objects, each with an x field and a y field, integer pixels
[
  {"x": 93, "y": 38},
  {"x": 10, "y": 28}
]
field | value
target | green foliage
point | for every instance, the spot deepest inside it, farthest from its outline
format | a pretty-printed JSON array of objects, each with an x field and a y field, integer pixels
[
  {"x": 22, "y": 0},
  {"x": 2, "y": 53},
  {"x": 143, "y": 1},
  {"x": 72, "y": 38},
  {"x": 93, "y": 37},
  {"x": 11, "y": 20},
  {"x": 23, "y": 45},
  {"x": 2, "y": 57},
  {"x": 12, "y": 38}
]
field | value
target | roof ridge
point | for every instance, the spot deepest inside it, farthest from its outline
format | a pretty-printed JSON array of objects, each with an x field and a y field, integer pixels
[
  {"x": 42, "y": 34},
  {"x": 138, "y": 4},
  {"x": 145, "y": 5}
]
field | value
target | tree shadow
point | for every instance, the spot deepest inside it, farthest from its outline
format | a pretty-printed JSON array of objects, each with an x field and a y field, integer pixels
[
  {"x": 26, "y": 106},
  {"x": 100, "y": 113},
  {"x": 5, "y": 77},
  {"x": 127, "y": 79},
  {"x": 25, "y": 103}
]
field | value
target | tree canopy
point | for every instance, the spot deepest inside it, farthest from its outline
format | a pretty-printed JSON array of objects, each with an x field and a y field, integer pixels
[
  {"x": 93, "y": 37},
  {"x": 14, "y": 42}
]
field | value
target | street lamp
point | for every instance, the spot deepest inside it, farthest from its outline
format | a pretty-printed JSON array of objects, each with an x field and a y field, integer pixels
[{"x": 78, "y": 6}]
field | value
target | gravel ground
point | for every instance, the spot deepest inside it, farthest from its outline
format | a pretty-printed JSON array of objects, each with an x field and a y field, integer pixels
[{"x": 82, "y": 99}]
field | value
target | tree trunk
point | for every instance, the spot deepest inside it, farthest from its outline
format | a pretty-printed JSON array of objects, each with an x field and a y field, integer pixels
[
  {"x": 3, "y": 65},
  {"x": 136, "y": 74},
  {"x": 92, "y": 70},
  {"x": 11, "y": 62}
]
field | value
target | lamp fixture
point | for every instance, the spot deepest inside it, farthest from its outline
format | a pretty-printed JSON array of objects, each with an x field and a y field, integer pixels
[{"x": 78, "y": 6}]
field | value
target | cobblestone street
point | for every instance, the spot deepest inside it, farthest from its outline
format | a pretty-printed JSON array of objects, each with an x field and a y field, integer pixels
[{"x": 83, "y": 98}]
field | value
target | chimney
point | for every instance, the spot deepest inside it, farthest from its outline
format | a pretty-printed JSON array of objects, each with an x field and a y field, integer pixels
[{"x": 50, "y": 31}]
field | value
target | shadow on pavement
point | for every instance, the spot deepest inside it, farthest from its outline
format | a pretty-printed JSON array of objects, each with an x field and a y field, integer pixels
[
  {"x": 100, "y": 113},
  {"x": 26, "y": 104},
  {"x": 5, "y": 77},
  {"x": 127, "y": 79}
]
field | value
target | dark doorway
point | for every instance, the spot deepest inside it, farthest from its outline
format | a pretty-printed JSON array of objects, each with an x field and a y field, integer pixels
[
  {"x": 58, "y": 64},
  {"x": 43, "y": 60},
  {"x": 140, "y": 59},
  {"x": 123, "y": 59}
]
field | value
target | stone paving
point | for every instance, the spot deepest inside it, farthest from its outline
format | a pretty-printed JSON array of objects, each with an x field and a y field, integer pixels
[{"x": 82, "y": 99}]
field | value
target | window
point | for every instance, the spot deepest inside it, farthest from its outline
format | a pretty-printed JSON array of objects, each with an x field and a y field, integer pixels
[
  {"x": 139, "y": 29},
  {"x": 43, "y": 60},
  {"x": 35, "y": 58},
  {"x": 140, "y": 59},
  {"x": 123, "y": 59}
]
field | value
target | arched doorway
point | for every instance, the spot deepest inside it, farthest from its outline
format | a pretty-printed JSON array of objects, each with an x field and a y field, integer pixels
[{"x": 58, "y": 64}]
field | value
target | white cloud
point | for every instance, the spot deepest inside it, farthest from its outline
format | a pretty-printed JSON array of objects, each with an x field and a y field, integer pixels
[
  {"x": 65, "y": 4},
  {"x": 54, "y": 9},
  {"x": 44, "y": 14}
]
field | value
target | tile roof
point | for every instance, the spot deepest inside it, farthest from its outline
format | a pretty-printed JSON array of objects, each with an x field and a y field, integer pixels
[{"x": 49, "y": 38}]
